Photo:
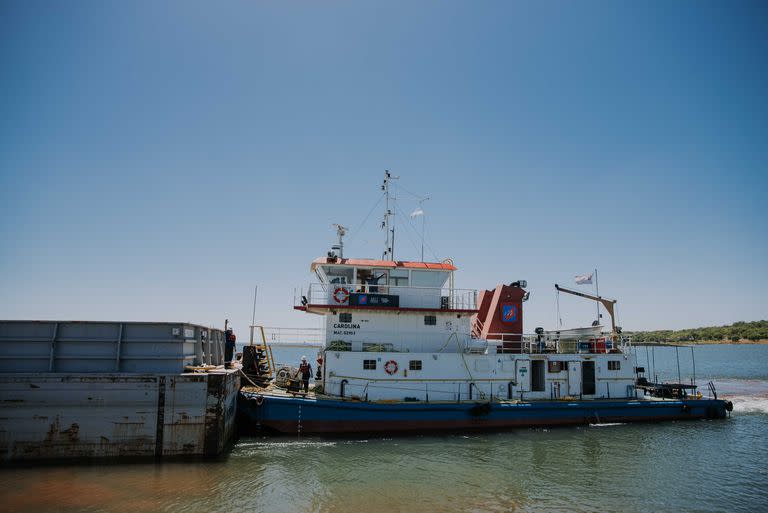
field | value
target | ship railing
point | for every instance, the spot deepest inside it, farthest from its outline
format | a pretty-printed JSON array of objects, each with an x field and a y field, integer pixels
[
  {"x": 346, "y": 339},
  {"x": 541, "y": 344},
  {"x": 340, "y": 294},
  {"x": 294, "y": 336}
]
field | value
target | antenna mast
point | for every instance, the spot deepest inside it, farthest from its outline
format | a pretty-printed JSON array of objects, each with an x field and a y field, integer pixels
[
  {"x": 389, "y": 245},
  {"x": 338, "y": 249}
]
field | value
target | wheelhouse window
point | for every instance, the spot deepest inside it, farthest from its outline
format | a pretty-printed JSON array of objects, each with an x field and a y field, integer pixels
[
  {"x": 432, "y": 279},
  {"x": 372, "y": 280},
  {"x": 369, "y": 364},
  {"x": 430, "y": 320},
  {"x": 398, "y": 277},
  {"x": 414, "y": 365},
  {"x": 337, "y": 274},
  {"x": 345, "y": 317},
  {"x": 614, "y": 364}
]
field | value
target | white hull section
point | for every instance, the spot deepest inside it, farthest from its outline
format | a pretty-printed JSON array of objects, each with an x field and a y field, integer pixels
[{"x": 461, "y": 376}]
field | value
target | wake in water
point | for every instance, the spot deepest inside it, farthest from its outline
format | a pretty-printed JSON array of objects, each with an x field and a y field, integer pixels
[{"x": 747, "y": 396}]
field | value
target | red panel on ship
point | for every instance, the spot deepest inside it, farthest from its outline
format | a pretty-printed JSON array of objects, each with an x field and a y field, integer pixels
[{"x": 501, "y": 316}]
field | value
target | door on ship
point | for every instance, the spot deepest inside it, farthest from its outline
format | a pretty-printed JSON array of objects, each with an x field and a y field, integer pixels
[
  {"x": 574, "y": 381},
  {"x": 588, "y": 378}
]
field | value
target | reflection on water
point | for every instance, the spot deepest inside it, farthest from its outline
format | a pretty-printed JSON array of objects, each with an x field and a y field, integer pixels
[
  {"x": 686, "y": 466},
  {"x": 681, "y": 466}
]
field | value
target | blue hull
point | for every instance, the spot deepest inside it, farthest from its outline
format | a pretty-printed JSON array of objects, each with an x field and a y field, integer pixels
[{"x": 300, "y": 415}]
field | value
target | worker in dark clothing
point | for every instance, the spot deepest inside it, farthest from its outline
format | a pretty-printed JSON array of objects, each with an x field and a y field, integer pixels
[
  {"x": 229, "y": 347},
  {"x": 306, "y": 371},
  {"x": 319, "y": 373}
]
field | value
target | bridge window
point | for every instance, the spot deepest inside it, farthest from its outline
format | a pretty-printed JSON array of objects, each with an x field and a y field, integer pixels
[
  {"x": 398, "y": 277},
  {"x": 614, "y": 364},
  {"x": 414, "y": 365},
  {"x": 369, "y": 364},
  {"x": 338, "y": 274},
  {"x": 434, "y": 279},
  {"x": 345, "y": 317},
  {"x": 430, "y": 320}
]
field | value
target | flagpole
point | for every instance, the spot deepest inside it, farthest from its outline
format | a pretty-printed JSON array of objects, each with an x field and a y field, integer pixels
[{"x": 597, "y": 293}]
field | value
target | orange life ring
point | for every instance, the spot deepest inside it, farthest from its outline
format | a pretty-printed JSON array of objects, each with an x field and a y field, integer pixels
[
  {"x": 390, "y": 367},
  {"x": 340, "y": 295}
]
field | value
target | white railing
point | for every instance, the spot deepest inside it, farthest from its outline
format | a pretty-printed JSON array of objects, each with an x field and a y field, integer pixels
[
  {"x": 408, "y": 297},
  {"x": 295, "y": 336},
  {"x": 450, "y": 342},
  {"x": 535, "y": 344}
]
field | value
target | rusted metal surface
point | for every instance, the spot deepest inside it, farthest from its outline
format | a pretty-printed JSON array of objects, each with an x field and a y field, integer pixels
[
  {"x": 220, "y": 412},
  {"x": 62, "y": 416}
]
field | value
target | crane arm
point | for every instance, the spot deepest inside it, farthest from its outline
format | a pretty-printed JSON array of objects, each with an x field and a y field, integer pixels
[{"x": 609, "y": 304}]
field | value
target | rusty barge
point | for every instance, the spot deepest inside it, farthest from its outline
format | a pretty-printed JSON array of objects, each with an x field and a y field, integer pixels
[{"x": 82, "y": 390}]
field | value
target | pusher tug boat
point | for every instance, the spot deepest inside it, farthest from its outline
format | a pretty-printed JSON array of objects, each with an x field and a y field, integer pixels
[{"x": 403, "y": 350}]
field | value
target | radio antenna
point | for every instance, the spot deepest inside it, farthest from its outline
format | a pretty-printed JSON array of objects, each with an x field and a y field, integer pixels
[{"x": 389, "y": 245}]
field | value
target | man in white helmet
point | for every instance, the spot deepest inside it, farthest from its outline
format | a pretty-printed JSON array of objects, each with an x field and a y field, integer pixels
[{"x": 306, "y": 371}]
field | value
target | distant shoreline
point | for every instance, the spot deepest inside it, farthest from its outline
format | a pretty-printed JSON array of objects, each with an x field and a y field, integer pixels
[{"x": 743, "y": 342}]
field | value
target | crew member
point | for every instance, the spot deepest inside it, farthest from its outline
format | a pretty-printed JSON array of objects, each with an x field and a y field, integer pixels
[
  {"x": 229, "y": 347},
  {"x": 319, "y": 373},
  {"x": 306, "y": 371}
]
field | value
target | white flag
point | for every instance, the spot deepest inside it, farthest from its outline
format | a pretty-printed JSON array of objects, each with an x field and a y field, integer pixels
[
  {"x": 417, "y": 212},
  {"x": 584, "y": 279}
]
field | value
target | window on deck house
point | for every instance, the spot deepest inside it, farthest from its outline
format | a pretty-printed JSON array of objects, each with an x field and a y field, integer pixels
[
  {"x": 398, "y": 277},
  {"x": 432, "y": 279},
  {"x": 338, "y": 274}
]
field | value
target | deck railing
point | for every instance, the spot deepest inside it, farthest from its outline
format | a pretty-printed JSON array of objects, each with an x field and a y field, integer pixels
[
  {"x": 539, "y": 344},
  {"x": 414, "y": 342},
  {"x": 294, "y": 336},
  {"x": 334, "y": 294}
]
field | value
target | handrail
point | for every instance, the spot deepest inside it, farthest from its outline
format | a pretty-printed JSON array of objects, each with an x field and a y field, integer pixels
[
  {"x": 319, "y": 293},
  {"x": 264, "y": 342}
]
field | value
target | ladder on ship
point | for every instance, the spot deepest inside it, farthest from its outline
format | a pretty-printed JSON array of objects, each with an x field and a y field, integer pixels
[{"x": 258, "y": 362}]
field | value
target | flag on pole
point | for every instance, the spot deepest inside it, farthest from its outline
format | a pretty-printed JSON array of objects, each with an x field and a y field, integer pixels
[
  {"x": 417, "y": 212},
  {"x": 584, "y": 279}
]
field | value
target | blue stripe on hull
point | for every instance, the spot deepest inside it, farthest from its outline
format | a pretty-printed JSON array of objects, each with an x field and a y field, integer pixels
[{"x": 291, "y": 415}]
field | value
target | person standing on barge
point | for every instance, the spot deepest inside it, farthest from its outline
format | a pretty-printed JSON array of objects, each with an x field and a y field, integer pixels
[
  {"x": 230, "y": 345},
  {"x": 306, "y": 371}
]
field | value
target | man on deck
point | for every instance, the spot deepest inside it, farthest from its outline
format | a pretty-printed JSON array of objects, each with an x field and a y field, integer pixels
[
  {"x": 306, "y": 371},
  {"x": 229, "y": 347}
]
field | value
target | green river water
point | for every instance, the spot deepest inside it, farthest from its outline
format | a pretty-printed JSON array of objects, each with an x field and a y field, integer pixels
[{"x": 696, "y": 466}]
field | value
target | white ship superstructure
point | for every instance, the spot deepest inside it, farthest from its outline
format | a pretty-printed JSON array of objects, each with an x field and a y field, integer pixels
[{"x": 398, "y": 330}]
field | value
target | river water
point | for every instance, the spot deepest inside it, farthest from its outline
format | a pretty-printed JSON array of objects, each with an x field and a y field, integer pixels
[{"x": 697, "y": 466}]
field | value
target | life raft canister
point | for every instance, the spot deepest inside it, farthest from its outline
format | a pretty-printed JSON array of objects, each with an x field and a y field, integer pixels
[
  {"x": 340, "y": 295},
  {"x": 390, "y": 367}
]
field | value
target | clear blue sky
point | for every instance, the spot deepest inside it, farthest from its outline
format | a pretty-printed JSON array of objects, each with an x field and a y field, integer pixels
[{"x": 159, "y": 159}]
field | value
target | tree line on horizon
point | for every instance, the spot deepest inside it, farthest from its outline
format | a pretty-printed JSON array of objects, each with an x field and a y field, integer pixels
[{"x": 755, "y": 330}]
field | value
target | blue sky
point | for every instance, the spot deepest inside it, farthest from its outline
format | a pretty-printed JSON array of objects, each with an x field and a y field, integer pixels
[{"x": 160, "y": 159}]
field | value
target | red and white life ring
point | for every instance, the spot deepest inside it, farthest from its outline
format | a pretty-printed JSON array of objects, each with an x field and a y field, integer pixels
[
  {"x": 340, "y": 295},
  {"x": 390, "y": 367}
]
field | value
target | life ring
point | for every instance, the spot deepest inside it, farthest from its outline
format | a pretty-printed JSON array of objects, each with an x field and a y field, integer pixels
[
  {"x": 340, "y": 295},
  {"x": 390, "y": 367}
]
